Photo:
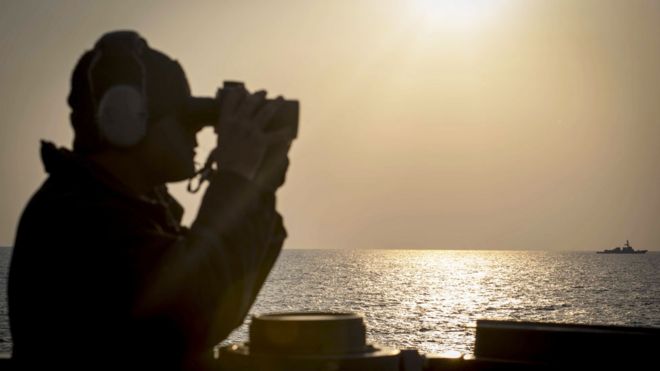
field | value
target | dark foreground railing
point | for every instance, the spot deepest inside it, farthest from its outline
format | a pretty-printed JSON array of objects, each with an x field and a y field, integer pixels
[
  {"x": 337, "y": 341},
  {"x": 569, "y": 344}
]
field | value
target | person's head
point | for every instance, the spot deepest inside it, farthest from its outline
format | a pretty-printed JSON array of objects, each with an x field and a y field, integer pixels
[{"x": 127, "y": 100}]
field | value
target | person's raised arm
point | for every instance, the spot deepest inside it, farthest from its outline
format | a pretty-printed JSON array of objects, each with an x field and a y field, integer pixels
[{"x": 209, "y": 279}]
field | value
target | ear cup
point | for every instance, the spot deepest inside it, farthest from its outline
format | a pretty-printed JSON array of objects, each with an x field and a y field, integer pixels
[{"x": 122, "y": 116}]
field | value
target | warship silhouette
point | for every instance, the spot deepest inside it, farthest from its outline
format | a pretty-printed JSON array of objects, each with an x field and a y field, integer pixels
[{"x": 626, "y": 249}]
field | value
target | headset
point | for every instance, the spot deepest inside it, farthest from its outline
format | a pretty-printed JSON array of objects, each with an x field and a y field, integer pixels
[{"x": 121, "y": 113}]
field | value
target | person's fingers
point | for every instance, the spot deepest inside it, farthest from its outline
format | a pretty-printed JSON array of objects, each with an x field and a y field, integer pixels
[
  {"x": 281, "y": 135},
  {"x": 266, "y": 113},
  {"x": 251, "y": 104},
  {"x": 231, "y": 99}
]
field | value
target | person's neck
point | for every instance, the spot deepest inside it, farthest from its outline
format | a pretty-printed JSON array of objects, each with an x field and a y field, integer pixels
[{"x": 126, "y": 169}]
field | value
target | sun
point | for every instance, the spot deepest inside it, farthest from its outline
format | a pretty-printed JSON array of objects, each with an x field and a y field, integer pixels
[{"x": 455, "y": 15}]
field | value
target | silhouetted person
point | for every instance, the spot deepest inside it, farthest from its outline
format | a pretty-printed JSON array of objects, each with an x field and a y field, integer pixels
[{"x": 103, "y": 275}]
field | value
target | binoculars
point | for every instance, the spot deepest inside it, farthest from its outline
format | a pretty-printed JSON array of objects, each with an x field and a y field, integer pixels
[
  {"x": 204, "y": 111},
  {"x": 199, "y": 112}
]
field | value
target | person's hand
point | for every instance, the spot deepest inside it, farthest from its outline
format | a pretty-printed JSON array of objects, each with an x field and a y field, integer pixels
[
  {"x": 273, "y": 169},
  {"x": 242, "y": 141}
]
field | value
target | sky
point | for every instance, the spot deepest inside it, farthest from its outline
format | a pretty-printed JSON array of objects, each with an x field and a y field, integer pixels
[{"x": 475, "y": 124}]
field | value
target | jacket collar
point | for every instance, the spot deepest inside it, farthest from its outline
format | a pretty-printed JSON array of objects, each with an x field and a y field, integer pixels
[{"x": 62, "y": 161}]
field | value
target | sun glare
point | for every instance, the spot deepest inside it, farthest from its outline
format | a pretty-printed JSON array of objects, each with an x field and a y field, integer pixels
[{"x": 455, "y": 15}]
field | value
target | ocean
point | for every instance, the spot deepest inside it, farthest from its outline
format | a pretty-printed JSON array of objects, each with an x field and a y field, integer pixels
[{"x": 430, "y": 299}]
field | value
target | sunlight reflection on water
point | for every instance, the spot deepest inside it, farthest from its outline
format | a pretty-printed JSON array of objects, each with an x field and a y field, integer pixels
[{"x": 431, "y": 300}]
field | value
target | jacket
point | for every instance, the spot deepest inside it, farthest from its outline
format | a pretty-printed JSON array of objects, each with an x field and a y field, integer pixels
[{"x": 101, "y": 278}]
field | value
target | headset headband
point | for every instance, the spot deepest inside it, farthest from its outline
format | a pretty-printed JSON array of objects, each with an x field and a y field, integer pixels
[
  {"x": 115, "y": 70},
  {"x": 119, "y": 45}
]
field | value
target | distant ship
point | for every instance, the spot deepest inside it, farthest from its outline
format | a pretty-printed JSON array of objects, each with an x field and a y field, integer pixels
[{"x": 626, "y": 249}]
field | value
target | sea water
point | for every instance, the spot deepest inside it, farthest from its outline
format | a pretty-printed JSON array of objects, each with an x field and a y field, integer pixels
[{"x": 431, "y": 299}]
